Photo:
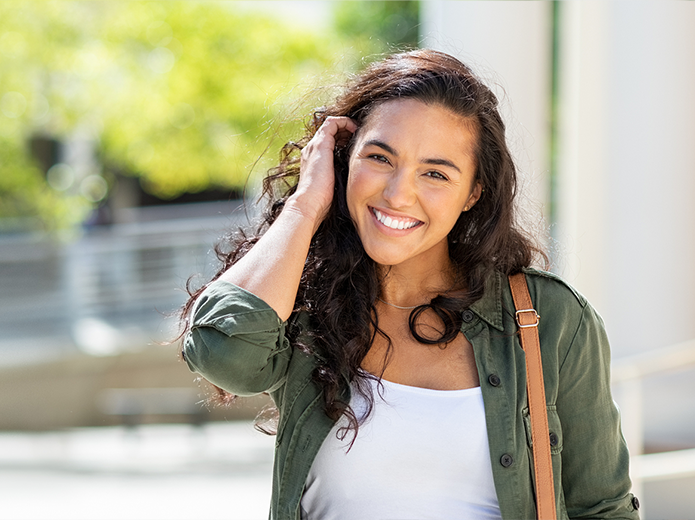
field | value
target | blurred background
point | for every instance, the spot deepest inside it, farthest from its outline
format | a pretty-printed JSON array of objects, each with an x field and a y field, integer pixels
[{"x": 134, "y": 134}]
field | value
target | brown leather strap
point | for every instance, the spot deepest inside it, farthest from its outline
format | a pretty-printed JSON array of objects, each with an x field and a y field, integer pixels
[{"x": 527, "y": 320}]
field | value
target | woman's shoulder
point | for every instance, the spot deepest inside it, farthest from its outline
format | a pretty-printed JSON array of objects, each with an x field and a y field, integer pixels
[
  {"x": 566, "y": 317},
  {"x": 552, "y": 297},
  {"x": 559, "y": 303},
  {"x": 549, "y": 288}
]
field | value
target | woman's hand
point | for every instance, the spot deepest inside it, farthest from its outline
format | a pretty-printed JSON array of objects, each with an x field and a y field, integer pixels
[
  {"x": 315, "y": 188},
  {"x": 273, "y": 268}
]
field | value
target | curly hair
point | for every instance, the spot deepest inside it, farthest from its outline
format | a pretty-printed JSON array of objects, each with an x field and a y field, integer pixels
[{"x": 340, "y": 282}]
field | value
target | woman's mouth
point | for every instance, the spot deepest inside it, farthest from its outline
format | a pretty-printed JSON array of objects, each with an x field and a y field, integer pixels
[{"x": 394, "y": 222}]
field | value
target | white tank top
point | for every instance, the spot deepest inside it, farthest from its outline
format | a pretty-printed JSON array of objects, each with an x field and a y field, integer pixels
[{"x": 421, "y": 454}]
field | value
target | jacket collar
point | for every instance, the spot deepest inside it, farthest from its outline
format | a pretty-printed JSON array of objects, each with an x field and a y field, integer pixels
[{"x": 489, "y": 307}]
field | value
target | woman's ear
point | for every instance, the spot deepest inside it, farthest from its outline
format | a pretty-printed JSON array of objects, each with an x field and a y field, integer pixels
[{"x": 474, "y": 196}]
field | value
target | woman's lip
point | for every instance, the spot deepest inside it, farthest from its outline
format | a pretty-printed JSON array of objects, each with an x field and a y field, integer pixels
[{"x": 388, "y": 219}]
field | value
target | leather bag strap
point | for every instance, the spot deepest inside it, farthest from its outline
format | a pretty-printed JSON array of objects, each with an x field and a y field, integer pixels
[{"x": 527, "y": 320}]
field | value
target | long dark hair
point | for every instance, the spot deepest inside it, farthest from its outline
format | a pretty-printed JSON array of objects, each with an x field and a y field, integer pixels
[{"x": 340, "y": 284}]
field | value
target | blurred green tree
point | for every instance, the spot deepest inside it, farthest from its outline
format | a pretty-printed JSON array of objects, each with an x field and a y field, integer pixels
[
  {"x": 26, "y": 200},
  {"x": 385, "y": 25},
  {"x": 175, "y": 93},
  {"x": 201, "y": 85},
  {"x": 183, "y": 95}
]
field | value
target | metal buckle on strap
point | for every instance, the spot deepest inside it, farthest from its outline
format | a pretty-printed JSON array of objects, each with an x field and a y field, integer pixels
[{"x": 535, "y": 314}]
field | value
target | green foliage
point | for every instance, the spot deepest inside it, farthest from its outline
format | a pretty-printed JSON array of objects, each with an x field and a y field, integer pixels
[
  {"x": 183, "y": 95},
  {"x": 387, "y": 25},
  {"x": 25, "y": 196},
  {"x": 205, "y": 83}
]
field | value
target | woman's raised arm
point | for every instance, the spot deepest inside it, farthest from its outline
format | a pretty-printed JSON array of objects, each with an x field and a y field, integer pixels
[{"x": 273, "y": 267}]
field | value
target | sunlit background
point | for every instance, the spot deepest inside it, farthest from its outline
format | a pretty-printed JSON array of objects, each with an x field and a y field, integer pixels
[{"x": 131, "y": 133}]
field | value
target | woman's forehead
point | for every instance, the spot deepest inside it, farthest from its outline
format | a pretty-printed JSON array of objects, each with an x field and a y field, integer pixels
[{"x": 427, "y": 126}]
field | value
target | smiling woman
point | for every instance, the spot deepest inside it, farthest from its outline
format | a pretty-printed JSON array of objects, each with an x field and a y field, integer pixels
[
  {"x": 373, "y": 305},
  {"x": 412, "y": 173}
]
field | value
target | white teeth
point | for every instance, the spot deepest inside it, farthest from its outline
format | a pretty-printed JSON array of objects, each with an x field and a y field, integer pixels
[{"x": 392, "y": 222}]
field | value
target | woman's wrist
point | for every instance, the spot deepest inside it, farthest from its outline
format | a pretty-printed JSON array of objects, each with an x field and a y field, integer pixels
[{"x": 306, "y": 209}]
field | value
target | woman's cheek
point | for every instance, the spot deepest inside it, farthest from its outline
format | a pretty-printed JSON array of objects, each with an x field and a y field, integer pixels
[{"x": 355, "y": 191}]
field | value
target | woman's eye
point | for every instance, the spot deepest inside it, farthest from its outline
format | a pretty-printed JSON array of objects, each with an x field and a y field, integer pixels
[
  {"x": 379, "y": 158},
  {"x": 436, "y": 175}
]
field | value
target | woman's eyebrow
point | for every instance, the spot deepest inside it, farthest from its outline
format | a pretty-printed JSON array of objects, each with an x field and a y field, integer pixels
[
  {"x": 441, "y": 162},
  {"x": 381, "y": 144}
]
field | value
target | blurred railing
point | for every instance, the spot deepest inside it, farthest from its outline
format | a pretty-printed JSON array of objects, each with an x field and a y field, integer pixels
[
  {"x": 628, "y": 375},
  {"x": 111, "y": 289}
]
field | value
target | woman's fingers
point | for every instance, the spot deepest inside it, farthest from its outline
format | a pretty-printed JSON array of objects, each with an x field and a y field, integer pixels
[
  {"x": 315, "y": 189},
  {"x": 334, "y": 131},
  {"x": 341, "y": 128}
]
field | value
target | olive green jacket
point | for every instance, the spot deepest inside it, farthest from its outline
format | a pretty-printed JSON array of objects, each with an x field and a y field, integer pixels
[{"x": 238, "y": 343}]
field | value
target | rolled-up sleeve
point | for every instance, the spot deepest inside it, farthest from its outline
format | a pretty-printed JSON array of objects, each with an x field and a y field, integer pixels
[{"x": 236, "y": 341}]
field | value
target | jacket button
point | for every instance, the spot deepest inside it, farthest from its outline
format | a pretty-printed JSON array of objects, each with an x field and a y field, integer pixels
[
  {"x": 553, "y": 439},
  {"x": 494, "y": 380},
  {"x": 506, "y": 460},
  {"x": 468, "y": 316},
  {"x": 635, "y": 503}
]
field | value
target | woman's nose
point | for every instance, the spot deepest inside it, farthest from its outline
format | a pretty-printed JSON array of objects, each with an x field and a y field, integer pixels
[{"x": 399, "y": 191}]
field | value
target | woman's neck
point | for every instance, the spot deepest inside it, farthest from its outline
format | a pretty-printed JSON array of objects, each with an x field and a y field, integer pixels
[{"x": 406, "y": 286}]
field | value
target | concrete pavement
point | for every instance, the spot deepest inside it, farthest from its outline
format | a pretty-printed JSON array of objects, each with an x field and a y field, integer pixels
[{"x": 172, "y": 472}]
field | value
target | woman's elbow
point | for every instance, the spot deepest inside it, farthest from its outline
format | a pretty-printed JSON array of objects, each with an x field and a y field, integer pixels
[{"x": 233, "y": 364}]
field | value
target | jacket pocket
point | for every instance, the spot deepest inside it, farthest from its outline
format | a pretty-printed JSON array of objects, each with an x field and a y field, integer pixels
[{"x": 554, "y": 427}]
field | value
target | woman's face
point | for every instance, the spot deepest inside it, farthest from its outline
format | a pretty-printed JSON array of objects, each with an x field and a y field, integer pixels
[{"x": 412, "y": 171}]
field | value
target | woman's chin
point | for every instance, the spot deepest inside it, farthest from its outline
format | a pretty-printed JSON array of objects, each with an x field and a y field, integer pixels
[
  {"x": 385, "y": 260},
  {"x": 416, "y": 257},
  {"x": 389, "y": 258}
]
